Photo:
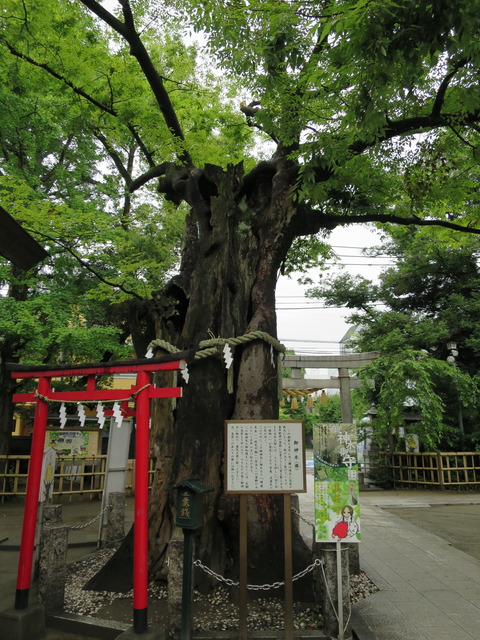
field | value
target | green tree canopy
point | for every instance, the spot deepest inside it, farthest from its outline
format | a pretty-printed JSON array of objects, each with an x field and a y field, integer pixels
[
  {"x": 428, "y": 299},
  {"x": 280, "y": 121}
]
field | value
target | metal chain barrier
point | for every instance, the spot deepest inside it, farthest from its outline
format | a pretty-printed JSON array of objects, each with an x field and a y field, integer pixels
[
  {"x": 256, "y": 587},
  {"x": 93, "y": 520},
  {"x": 297, "y": 513},
  {"x": 331, "y": 601},
  {"x": 79, "y": 527}
]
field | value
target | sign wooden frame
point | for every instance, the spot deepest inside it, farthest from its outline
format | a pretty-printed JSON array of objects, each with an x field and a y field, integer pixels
[{"x": 265, "y": 456}]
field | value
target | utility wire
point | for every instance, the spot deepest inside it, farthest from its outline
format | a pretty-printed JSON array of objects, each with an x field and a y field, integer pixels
[{"x": 319, "y": 308}]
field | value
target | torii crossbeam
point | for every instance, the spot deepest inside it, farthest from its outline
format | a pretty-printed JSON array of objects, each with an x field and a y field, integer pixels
[{"x": 141, "y": 393}]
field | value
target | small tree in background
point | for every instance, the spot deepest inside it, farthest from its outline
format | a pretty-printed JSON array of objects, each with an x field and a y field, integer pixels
[{"x": 429, "y": 298}]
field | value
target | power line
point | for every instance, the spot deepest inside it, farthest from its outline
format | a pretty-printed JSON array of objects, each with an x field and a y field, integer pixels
[
  {"x": 343, "y": 246},
  {"x": 360, "y": 264},
  {"x": 383, "y": 256},
  {"x": 312, "y": 341},
  {"x": 313, "y": 308}
]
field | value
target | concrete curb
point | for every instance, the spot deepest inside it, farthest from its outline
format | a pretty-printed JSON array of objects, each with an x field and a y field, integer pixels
[
  {"x": 85, "y": 625},
  {"x": 360, "y": 630}
]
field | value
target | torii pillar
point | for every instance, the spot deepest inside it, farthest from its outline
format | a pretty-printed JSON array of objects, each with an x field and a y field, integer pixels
[
  {"x": 23, "y": 618},
  {"x": 344, "y": 382}
]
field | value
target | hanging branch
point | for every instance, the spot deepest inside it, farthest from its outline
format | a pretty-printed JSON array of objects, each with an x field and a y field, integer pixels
[
  {"x": 138, "y": 50},
  {"x": 309, "y": 221},
  {"x": 89, "y": 268}
]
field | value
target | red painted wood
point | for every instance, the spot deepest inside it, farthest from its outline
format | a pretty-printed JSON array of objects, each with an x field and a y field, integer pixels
[
  {"x": 140, "y": 539},
  {"x": 96, "y": 369},
  {"x": 33, "y": 489},
  {"x": 165, "y": 392},
  {"x": 104, "y": 395},
  {"x": 142, "y": 392}
]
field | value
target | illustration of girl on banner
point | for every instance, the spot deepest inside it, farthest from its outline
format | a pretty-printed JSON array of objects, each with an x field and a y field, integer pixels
[{"x": 346, "y": 526}]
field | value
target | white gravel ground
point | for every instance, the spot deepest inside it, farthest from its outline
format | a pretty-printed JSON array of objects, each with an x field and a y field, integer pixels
[{"x": 214, "y": 612}]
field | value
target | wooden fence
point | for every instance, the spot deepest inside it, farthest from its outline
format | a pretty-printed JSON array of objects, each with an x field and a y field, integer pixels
[
  {"x": 74, "y": 476},
  {"x": 436, "y": 470}
]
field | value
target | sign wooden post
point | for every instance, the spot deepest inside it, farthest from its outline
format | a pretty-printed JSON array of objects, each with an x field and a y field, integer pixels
[
  {"x": 287, "y": 536},
  {"x": 265, "y": 457},
  {"x": 341, "y": 633},
  {"x": 242, "y": 596}
]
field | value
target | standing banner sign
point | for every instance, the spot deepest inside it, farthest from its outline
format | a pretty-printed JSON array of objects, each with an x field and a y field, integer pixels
[{"x": 337, "y": 504}]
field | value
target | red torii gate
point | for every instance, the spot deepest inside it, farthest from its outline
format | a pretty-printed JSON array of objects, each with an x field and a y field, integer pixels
[{"x": 141, "y": 393}]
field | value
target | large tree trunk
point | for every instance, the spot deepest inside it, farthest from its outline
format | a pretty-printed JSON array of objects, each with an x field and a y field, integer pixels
[
  {"x": 7, "y": 387},
  {"x": 8, "y": 353},
  {"x": 235, "y": 242}
]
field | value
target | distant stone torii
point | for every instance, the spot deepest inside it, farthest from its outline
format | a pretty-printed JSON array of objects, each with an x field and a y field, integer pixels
[{"x": 344, "y": 382}]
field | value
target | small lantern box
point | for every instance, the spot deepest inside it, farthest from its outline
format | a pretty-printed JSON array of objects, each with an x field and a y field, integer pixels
[{"x": 189, "y": 502}]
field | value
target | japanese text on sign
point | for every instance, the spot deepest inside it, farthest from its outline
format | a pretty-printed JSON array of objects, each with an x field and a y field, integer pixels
[
  {"x": 337, "y": 504},
  {"x": 265, "y": 457}
]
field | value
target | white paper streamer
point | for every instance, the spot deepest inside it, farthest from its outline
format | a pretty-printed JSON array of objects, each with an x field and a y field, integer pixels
[
  {"x": 81, "y": 414},
  {"x": 63, "y": 415},
  {"x": 117, "y": 414},
  {"x": 100, "y": 415},
  {"x": 185, "y": 373},
  {"x": 228, "y": 356}
]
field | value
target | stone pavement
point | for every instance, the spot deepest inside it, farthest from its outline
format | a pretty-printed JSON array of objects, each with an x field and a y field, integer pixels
[
  {"x": 81, "y": 543},
  {"x": 428, "y": 589}
]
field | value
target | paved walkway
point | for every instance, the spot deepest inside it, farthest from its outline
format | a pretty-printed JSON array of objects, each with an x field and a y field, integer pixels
[
  {"x": 428, "y": 589},
  {"x": 81, "y": 543}
]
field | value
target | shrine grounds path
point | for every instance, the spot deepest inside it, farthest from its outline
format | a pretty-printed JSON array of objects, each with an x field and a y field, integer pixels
[{"x": 421, "y": 548}]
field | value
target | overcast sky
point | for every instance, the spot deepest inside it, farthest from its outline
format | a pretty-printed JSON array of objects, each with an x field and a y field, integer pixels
[{"x": 304, "y": 324}]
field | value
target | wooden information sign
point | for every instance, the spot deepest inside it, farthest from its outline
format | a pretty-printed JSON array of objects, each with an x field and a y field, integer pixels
[{"x": 266, "y": 456}]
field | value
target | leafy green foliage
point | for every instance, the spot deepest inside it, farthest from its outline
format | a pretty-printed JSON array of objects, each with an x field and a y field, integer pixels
[
  {"x": 375, "y": 102},
  {"x": 326, "y": 409},
  {"x": 428, "y": 299}
]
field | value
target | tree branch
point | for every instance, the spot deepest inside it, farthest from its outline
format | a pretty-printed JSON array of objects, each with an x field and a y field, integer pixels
[
  {"x": 47, "y": 177},
  {"x": 58, "y": 76},
  {"x": 141, "y": 145},
  {"x": 115, "y": 157},
  {"x": 440, "y": 97},
  {"x": 420, "y": 222},
  {"x": 106, "y": 16},
  {"x": 88, "y": 267},
  {"x": 103, "y": 107},
  {"x": 154, "y": 172},
  {"x": 462, "y": 139},
  {"x": 309, "y": 221},
  {"x": 421, "y": 123},
  {"x": 137, "y": 49}
]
